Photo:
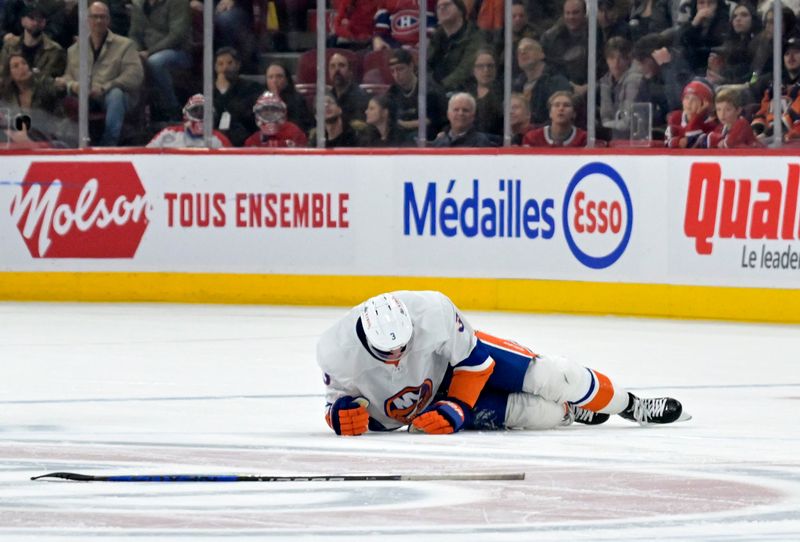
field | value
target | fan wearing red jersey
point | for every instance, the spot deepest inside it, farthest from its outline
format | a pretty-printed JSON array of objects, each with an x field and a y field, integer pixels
[
  {"x": 273, "y": 128},
  {"x": 689, "y": 127},
  {"x": 733, "y": 130},
  {"x": 561, "y": 132}
]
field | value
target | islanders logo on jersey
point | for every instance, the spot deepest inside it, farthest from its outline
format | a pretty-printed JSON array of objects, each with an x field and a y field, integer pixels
[
  {"x": 404, "y": 405},
  {"x": 597, "y": 215}
]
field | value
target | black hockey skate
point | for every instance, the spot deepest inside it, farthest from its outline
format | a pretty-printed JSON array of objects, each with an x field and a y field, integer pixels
[
  {"x": 588, "y": 417},
  {"x": 656, "y": 410}
]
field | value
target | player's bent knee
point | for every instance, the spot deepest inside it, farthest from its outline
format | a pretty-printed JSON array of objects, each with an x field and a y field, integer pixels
[
  {"x": 526, "y": 411},
  {"x": 556, "y": 378}
]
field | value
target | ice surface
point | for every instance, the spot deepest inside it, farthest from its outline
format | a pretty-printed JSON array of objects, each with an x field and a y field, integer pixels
[{"x": 126, "y": 389}]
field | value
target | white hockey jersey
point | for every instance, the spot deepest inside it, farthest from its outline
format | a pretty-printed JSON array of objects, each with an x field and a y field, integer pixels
[
  {"x": 396, "y": 394},
  {"x": 176, "y": 137}
]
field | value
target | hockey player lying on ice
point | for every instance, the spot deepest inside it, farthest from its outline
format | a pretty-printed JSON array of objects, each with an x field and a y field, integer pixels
[{"x": 410, "y": 358}]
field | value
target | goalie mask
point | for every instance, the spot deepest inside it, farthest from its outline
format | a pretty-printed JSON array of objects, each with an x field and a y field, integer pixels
[
  {"x": 270, "y": 113},
  {"x": 387, "y": 327},
  {"x": 193, "y": 115}
]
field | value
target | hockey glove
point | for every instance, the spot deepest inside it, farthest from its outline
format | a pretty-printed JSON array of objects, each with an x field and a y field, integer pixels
[
  {"x": 348, "y": 415},
  {"x": 441, "y": 418}
]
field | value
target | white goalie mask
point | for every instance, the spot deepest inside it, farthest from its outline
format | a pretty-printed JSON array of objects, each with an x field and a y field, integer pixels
[
  {"x": 387, "y": 327},
  {"x": 193, "y": 115},
  {"x": 270, "y": 113}
]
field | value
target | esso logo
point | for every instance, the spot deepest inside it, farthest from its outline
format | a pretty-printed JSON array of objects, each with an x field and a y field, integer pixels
[{"x": 597, "y": 215}]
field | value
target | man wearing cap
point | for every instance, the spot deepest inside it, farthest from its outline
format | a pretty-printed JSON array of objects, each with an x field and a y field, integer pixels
[
  {"x": 403, "y": 92},
  {"x": 453, "y": 46},
  {"x": 44, "y": 55},
  {"x": 763, "y": 120}
]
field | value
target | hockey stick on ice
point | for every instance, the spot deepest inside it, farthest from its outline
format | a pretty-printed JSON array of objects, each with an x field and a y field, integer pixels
[{"x": 262, "y": 478}]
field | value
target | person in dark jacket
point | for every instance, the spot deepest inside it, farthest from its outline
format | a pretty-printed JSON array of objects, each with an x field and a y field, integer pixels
[
  {"x": 233, "y": 97},
  {"x": 462, "y": 132},
  {"x": 280, "y": 83},
  {"x": 453, "y": 46}
]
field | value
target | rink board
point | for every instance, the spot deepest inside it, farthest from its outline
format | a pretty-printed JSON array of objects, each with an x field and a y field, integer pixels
[{"x": 690, "y": 235}]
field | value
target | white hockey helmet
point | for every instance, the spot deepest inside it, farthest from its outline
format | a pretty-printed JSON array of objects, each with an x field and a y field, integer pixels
[
  {"x": 270, "y": 113},
  {"x": 193, "y": 114},
  {"x": 387, "y": 327}
]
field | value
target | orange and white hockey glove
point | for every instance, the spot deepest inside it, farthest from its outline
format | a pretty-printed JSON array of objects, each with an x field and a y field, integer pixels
[
  {"x": 348, "y": 415},
  {"x": 440, "y": 418}
]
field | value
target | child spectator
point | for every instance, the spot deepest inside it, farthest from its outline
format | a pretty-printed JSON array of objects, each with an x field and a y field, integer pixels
[
  {"x": 733, "y": 130},
  {"x": 520, "y": 117},
  {"x": 689, "y": 127},
  {"x": 273, "y": 128}
]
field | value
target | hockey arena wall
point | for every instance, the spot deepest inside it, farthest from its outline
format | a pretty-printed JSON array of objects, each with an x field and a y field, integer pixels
[{"x": 638, "y": 232}]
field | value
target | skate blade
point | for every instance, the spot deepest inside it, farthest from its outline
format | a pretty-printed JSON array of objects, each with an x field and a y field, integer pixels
[{"x": 684, "y": 417}]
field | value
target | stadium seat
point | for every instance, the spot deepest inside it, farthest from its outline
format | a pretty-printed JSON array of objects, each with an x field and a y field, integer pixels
[{"x": 377, "y": 77}]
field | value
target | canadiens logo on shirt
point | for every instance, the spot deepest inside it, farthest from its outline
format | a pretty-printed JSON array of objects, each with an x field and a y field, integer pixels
[{"x": 404, "y": 405}]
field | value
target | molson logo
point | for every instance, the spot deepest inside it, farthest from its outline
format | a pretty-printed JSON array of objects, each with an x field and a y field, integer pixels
[
  {"x": 81, "y": 210},
  {"x": 597, "y": 215},
  {"x": 729, "y": 209}
]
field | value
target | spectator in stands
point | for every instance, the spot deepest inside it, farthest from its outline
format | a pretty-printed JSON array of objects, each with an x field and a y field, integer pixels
[
  {"x": 561, "y": 132},
  {"x": 280, "y": 83},
  {"x": 382, "y": 128},
  {"x": 350, "y": 97},
  {"x": 162, "y": 31},
  {"x": 543, "y": 14},
  {"x": 353, "y": 24},
  {"x": 190, "y": 132},
  {"x": 116, "y": 73},
  {"x": 649, "y": 17},
  {"x": 397, "y": 23},
  {"x": 233, "y": 20},
  {"x": 665, "y": 74},
  {"x": 403, "y": 93},
  {"x": 538, "y": 81},
  {"x": 44, "y": 56},
  {"x": 339, "y": 130},
  {"x": 762, "y": 54},
  {"x": 462, "y": 132},
  {"x": 520, "y": 117},
  {"x": 566, "y": 45},
  {"x": 488, "y": 93},
  {"x": 733, "y": 130},
  {"x": 705, "y": 31},
  {"x": 735, "y": 56},
  {"x": 55, "y": 11},
  {"x": 689, "y": 127},
  {"x": 491, "y": 18},
  {"x": 453, "y": 46},
  {"x": 274, "y": 130},
  {"x": 520, "y": 28},
  {"x": 24, "y": 93},
  {"x": 611, "y": 20},
  {"x": 764, "y": 118},
  {"x": 620, "y": 88},
  {"x": 233, "y": 97}
]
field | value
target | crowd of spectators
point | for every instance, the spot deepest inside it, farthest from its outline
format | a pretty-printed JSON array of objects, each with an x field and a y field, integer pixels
[{"x": 697, "y": 73}]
